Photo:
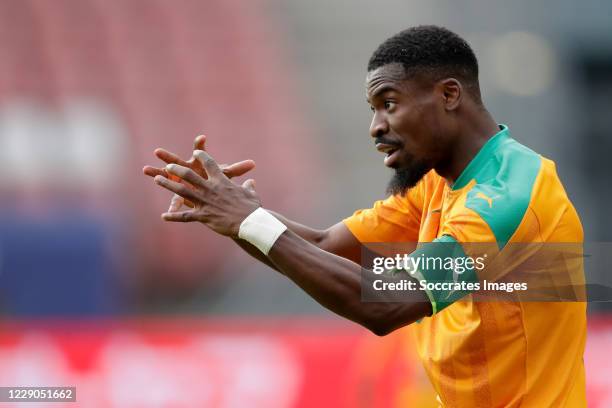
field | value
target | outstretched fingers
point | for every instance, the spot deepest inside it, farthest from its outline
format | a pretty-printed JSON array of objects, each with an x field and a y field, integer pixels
[
  {"x": 177, "y": 202},
  {"x": 154, "y": 171},
  {"x": 209, "y": 164},
  {"x": 239, "y": 168},
  {"x": 170, "y": 157},
  {"x": 187, "y": 174},
  {"x": 233, "y": 170},
  {"x": 184, "y": 216},
  {"x": 199, "y": 143},
  {"x": 177, "y": 188}
]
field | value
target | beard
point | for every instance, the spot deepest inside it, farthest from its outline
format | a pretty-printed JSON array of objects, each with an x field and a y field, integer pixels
[{"x": 407, "y": 177}]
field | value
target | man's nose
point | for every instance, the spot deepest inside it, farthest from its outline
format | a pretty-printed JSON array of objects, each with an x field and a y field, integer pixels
[{"x": 379, "y": 126}]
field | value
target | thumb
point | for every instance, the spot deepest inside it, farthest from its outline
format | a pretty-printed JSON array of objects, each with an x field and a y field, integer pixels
[{"x": 249, "y": 185}]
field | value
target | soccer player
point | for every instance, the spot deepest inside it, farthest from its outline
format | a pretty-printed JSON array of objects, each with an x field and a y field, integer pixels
[{"x": 459, "y": 178}]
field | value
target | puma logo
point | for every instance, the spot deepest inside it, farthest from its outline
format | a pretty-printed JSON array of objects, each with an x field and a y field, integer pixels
[{"x": 486, "y": 198}]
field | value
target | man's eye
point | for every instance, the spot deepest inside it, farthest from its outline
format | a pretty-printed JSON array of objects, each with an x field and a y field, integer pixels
[
  {"x": 389, "y": 105},
  {"x": 372, "y": 108}
]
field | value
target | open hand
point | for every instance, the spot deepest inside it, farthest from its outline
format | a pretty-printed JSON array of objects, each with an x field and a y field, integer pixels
[
  {"x": 176, "y": 203},
  {"x": 217, "y": 202}
]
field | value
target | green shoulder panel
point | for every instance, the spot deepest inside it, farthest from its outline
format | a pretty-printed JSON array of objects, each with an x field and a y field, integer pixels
[{"x": 504, "y": 183}]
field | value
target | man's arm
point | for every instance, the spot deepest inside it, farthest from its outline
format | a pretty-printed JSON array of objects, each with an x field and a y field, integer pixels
[
  {"x": 333, "y": 281},
  {"x": 337, "y": 239}
]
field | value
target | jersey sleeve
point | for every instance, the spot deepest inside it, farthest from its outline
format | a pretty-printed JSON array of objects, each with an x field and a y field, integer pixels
[{"x": 395, "y": 219}]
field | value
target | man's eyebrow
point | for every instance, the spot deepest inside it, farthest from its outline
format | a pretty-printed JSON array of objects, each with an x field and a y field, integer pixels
[{"x": 379, "y": 91}]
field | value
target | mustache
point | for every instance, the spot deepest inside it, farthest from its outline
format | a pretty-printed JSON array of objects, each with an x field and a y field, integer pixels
[{"x": 389, "y": 142}]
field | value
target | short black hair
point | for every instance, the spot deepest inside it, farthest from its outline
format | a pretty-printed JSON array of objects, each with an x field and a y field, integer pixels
[{"x": 431, "y": 52}]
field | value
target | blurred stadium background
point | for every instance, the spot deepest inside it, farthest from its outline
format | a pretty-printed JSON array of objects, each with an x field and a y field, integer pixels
[{"x": 95, "y": 291}]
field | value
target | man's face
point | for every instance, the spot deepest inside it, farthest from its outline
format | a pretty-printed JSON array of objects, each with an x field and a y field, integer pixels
[{"x": 407, "y": 124}]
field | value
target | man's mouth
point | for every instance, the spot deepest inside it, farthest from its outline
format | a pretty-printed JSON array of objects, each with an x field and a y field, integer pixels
[{"x": 391, "y": 152}]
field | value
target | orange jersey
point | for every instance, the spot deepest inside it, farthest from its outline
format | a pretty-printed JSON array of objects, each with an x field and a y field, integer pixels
[{"x": 498, "y": 353}]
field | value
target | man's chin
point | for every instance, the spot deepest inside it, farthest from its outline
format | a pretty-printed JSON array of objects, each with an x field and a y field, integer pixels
[{"x": 406, "y": 178}]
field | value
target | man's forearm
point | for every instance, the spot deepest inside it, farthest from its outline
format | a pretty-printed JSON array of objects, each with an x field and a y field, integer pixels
[
  {"x": 335, "y": 282},
  {"x": 310, "y": 235},
  {"x": 254, "y": 252}
]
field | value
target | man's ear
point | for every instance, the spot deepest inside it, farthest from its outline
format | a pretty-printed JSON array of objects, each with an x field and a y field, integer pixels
[{"x": 452, "y": 92}]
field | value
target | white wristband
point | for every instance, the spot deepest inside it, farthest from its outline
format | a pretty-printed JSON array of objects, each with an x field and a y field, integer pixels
[{"x": 261, "y": 229}]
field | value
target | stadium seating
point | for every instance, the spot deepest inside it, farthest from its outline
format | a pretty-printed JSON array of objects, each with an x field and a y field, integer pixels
[{"x": 89, "y": 88}]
